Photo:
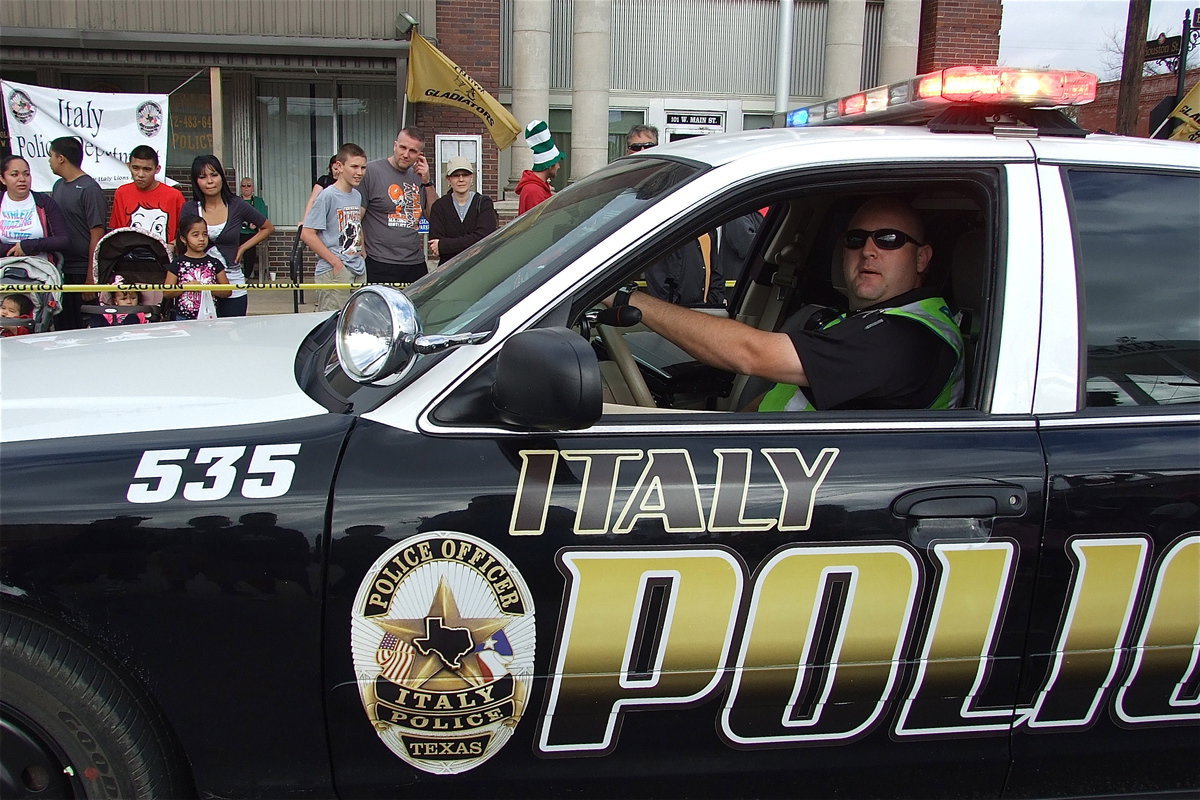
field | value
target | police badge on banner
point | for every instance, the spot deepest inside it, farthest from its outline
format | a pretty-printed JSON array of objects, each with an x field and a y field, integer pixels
[
  {"x": 442, "y": 635},
  {"x": 108, "y": 124}
]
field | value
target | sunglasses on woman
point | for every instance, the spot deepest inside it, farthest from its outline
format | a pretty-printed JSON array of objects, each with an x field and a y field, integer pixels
[{"x": 884, "y": 238}]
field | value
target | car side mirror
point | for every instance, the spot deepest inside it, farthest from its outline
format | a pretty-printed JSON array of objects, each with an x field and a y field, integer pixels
[{"x": 548, "y": 379}]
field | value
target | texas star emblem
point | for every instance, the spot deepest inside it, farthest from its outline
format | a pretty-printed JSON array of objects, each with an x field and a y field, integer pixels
[{"x": 442, "y": 635}]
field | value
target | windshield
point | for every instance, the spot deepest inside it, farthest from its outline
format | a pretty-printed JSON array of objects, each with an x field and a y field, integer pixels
[
  {"x": 468, "y": 293},
  {"x": 470, "y": 290}
]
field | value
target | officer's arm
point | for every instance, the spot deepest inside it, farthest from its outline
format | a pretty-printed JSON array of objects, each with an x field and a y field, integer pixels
[{"x": 722, "y": 342}]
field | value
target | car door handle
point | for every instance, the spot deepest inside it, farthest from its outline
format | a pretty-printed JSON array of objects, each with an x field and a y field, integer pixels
[{"x": 1003, "y": 500}]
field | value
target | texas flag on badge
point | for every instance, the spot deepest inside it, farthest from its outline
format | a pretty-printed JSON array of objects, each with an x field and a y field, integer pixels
[{"x": 494, "y": 654}]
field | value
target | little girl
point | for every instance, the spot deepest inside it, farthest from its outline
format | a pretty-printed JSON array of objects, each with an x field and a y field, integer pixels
[
  {"x": 126, "y": 299},
  {"x": 193, "y": 265}
]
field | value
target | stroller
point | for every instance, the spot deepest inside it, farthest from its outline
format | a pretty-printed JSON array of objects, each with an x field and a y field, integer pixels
[
  {"x": 33, "y": 270},
  {"x": 128, "y": 255}
]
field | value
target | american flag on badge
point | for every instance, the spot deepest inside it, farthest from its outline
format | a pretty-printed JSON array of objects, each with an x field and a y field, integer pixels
[{"x": 394, "y": 657}]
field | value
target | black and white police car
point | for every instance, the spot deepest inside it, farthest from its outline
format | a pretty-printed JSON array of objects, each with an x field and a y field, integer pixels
[{"x": 476, "y": 539}]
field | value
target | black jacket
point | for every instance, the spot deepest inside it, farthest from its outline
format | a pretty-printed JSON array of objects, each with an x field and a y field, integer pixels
[{"x": 454, "y": 235}]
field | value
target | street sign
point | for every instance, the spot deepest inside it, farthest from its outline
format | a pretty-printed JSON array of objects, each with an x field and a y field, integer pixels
[{"x": 1163, "y": 47}]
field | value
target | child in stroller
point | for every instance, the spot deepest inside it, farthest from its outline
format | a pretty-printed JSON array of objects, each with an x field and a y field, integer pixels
[
  {"x": 128, "y": 255},
  {"x": 32, "y": 271},
  {"x": 15, "y": 310},
  {"x": 125, "y": 308}
]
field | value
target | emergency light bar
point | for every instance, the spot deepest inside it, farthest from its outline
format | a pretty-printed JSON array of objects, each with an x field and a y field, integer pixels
[{"x": 921, "y": 98}]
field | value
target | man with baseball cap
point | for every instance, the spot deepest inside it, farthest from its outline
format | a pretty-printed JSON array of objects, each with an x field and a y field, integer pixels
[
  {"x": 534, "y": 186},
  {"x": 462, "y": 216}
]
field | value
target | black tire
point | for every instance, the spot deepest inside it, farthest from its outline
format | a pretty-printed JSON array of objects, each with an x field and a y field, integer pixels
[{"x": 71, "y": 727}]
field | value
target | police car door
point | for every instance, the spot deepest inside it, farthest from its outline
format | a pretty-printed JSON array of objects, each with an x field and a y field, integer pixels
[
  {"x": 1112, "y": 696},
  {"x": 676, "y": 601}
]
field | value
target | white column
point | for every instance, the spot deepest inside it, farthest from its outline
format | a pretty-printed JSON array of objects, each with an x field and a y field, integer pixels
[
  {"x": 901, "y": 34},
  {"x": 783, "y": 56},
  {"x": 589, "y": 94},
  {"x": 843, "y": 47},
  {"x": 531, "y": 75}
]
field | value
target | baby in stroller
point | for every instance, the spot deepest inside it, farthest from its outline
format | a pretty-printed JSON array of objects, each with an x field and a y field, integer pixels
[
  {"x": 15, "y": 311},
  {"x": 37, "y": 307},
  {"x": 134, "y": 256},
  {"x": 125, "y": 308}
]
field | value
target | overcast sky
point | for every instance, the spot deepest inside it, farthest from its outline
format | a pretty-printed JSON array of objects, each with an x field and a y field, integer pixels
[{"x": 1072, "y": 34}]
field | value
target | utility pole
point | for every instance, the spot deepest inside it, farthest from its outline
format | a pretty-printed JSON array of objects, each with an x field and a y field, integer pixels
[{"x": 1131, "y": 66}]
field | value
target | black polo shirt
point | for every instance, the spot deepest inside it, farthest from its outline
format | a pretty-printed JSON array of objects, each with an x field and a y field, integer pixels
[{"x": 875, "y": 360}]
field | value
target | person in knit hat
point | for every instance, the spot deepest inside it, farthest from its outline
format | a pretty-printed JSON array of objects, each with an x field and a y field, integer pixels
[{"x": 534, "y": 186}]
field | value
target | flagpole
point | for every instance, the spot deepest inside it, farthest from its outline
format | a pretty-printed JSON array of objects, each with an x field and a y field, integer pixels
[{"x": 406, "y": 25}]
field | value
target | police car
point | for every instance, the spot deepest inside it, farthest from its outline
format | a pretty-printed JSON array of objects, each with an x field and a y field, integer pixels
[{"x": 487, "y": 537}]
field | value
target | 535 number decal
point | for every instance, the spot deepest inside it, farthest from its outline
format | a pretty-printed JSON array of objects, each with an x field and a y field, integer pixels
[{"x": 160, "y": 473}]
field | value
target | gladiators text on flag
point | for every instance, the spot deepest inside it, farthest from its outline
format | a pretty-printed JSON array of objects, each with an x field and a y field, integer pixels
[{"x": 434, "y": 78}]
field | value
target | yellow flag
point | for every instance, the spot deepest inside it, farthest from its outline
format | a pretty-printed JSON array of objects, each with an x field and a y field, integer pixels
[
  {"x": 433, "y": 78},
  {"x": 1189, "y": 112}
]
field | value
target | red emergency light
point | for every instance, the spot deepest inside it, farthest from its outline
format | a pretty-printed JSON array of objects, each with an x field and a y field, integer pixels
[{"x": 919, "y": 99}]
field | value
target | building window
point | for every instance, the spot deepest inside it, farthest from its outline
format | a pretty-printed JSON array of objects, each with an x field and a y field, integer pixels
[
  {"x": 753, "y": 122},
  {"x": 301, "y": 124},
  {"x": 560, "y": 129},
  {"x": 447, "y": 147},
  {"x": 619, "y": 123},
  {"x": 191, "y": 132}
]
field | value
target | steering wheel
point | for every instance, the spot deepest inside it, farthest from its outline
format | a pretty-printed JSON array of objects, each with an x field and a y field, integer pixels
[{"x": 622, "y": 356}]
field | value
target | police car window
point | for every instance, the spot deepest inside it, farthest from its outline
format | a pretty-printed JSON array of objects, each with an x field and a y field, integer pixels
[
  {"x": 489, "y": 277},
  {"x": 789, "y": 269},
  {"x": 1137, "y": 243}
]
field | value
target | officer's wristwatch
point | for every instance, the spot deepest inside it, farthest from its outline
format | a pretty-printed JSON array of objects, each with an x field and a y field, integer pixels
[{"x": 621, "y": 298}]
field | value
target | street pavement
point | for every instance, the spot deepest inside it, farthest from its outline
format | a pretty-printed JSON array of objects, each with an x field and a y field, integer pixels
[{"x": 275, "y": 301}]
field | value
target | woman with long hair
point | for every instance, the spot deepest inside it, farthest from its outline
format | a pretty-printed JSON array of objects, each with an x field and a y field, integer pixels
[
  {"x": 224, "y": 212},
  {"x": 31, "y": 223}
]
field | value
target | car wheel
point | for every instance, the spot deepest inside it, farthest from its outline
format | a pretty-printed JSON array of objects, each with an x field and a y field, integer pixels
[{"x": 70, "y": 727}]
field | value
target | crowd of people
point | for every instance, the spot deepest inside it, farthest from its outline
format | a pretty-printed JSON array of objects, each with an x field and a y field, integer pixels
[
  {"x": 65, "y": 225},
  {"x": 361, "y": 221},
  {"x": 359, "y": 204}
]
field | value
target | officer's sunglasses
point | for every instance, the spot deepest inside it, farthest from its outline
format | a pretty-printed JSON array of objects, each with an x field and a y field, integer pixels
[
  {"x": 884, "y": 238},
  {"x": 639, "y": 146}
]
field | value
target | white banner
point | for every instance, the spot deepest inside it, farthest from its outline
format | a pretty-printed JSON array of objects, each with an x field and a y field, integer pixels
[{"x": 110, "y": 125}]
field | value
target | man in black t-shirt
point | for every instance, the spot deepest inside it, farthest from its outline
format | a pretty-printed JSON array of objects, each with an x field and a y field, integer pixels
[
  {"x": 897, "y": 347},
  {"x": 85, "y": 209}
]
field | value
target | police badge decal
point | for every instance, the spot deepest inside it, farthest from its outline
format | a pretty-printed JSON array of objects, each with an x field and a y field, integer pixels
[{"x": 442, "y": 634}]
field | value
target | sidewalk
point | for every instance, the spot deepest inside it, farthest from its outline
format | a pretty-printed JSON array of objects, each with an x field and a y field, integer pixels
[
  {"x": 278, "y": 301},
  {"x": 274, "y": 301}
]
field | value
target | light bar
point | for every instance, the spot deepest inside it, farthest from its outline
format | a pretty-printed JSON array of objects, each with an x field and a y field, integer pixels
[{"x": 919, "y": 99}]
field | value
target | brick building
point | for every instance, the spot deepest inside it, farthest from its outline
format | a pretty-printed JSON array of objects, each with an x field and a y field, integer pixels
[
  {"x": 959, "y": 32},
  {"x": 1101, "y": 114}
]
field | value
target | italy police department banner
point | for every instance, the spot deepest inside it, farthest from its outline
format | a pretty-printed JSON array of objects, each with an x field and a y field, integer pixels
[
  {"x": 108, "y": 124},
  {"x": 433, "y": 78}
]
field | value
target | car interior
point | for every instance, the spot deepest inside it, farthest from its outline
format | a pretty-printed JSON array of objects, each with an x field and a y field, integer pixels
[{"x": 791, "y": 275}]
